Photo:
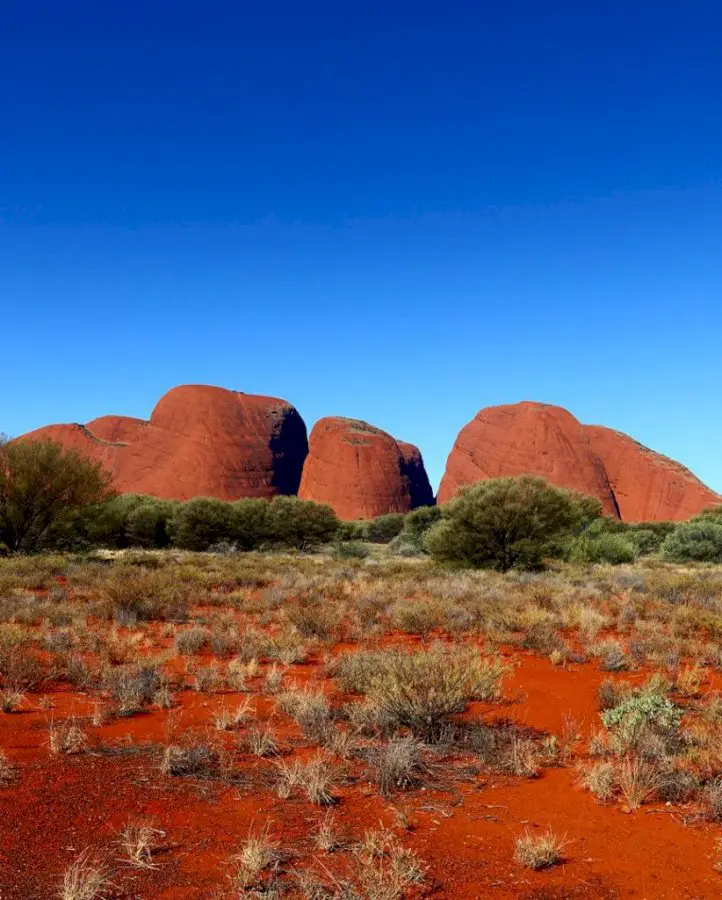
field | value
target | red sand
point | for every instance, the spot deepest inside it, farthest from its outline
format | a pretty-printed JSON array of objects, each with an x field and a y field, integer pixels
[{"x": 463, "y": 830}]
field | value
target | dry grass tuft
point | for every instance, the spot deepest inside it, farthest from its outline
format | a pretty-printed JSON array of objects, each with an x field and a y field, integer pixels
[
  {"x": 138, "y": 840},
  {"x": 85, "y": 879},
  {"x": 67, "y": 737},
  {"x": 539, "y": 851},
  {"x": 258, "y": 859}
]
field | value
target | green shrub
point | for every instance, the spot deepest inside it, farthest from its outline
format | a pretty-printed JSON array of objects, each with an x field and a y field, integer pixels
[
  {"x": 350, "y": 550},
  {"x": 351, "y": 531},
  {"x": 603, "y": 548},
  {"x": 384, "y": 528},
  {"x": 646, "y": 541},
  {"x": 198, "y": 524},
  {"x": 249, "y": 523},
  {"x": 506, "y": 522},
  {"x": 106, "y": 524},
  {"x": 147, "y": 524},
  {"x": 639, "y": 716},
  {"x": 300, "y": 523},
  {"x": 419, "y": 520},
  {"x": 698, "y": 541}
]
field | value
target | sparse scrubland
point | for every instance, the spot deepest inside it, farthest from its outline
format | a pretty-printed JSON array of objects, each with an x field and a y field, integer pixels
[
  {"x": 365, "y": 713},
  {"x": 299, "y": 724}
]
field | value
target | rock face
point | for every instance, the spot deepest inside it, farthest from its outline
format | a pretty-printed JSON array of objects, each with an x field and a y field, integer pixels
[
  {"x": 631, "y": 482},
  {"x": 527, "y": 439},
  {"x": 361, "y": 471},
  {"x": 648, "y": 487},
  {"x": 199, "y": 441}
]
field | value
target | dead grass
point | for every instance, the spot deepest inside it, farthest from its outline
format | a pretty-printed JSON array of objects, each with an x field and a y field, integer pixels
[
  {"x": 87, "y": 878},
  {"x": 539, "y": 851},
  {"x": 138, "y": 840}
]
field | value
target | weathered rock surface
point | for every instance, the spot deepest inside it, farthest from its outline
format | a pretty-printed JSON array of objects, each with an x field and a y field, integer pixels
[
  {"x": 361, "y": 471},
  {"x": 631, "y": 482},
  {"x": 648, "y": 487},
  {"x": 527, "y": 439},
  {"x": 199, "y": 441}
]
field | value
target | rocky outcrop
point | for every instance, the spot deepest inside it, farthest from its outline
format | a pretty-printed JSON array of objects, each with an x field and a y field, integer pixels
[
  {"x": 527, "y": 439},
  {"x": 631, "y": 482},
  {"x": 361, "y": 471},
  {"x": 199, "y": 441},
  {"x": 648, "y": 487}
]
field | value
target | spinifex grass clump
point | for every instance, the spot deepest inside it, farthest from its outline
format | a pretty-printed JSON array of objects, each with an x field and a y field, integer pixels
[{"x": 422, "y": 691}]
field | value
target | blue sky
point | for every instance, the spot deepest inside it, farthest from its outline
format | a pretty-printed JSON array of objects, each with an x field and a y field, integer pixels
[{"x": 392, "y": 211}]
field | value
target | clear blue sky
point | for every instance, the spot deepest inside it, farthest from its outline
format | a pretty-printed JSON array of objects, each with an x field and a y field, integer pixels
[{"x": 396, "y": 211}]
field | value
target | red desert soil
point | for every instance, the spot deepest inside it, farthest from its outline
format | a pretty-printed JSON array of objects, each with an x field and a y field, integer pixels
[
  {"x": 361, "y": 471},
  {"x": 199, "y": 441},
  {"x": 631, "y": 482},
  {"x": 464, "y": 829}
]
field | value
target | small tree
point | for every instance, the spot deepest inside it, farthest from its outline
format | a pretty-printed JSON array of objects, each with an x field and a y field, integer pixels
[
  {"x": 698, "y": 541},
  {"x": 42, "y": 486},
  {"x": 507, "y": 522}
]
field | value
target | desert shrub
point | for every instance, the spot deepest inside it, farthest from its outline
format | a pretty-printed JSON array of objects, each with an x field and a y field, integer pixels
[
  {"x": 712, "y": 800},
  {"x": 198, "y": 524},
  {"x": 350, "y": 549},
  {"x": 249, "y": 523},
  {"x": 351, "y": 531},
  {"x": 419, "y": 520},
  {"x": 646, "y": 541},
  {"x": 192, "y": 757},
  {"x": 133, "y": 687},
  {"x": 407, "y": 545},
  {"x": 698, "y": 541},
  {"x": 44, "y": 487},
  {"x": 641, "y": 717},
  {"x": 603, "y": 548},
  {"x": 637, "y": 779},
  {"x": 506, "y": 522},
  {"x": 147, "y": 524},
  {"x": 677, "y": 785},
  {"x": 105, "y": 524},
  {"x": 301, "y": 524},
  {"x": 383, "y": 529},
  {"x": 396, "y": 765},
  {"x": 422, "y": 691},
  {"x": 136, "y": 594}
]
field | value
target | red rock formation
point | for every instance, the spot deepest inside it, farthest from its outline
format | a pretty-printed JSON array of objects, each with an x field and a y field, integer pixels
[
  {"x": 648, "y": 487},
  {"x": 534, "y": 438},
  {"x": 200, "y": 441},
  {"x": 361, "y": 471},
  {"x": 527, "y": 439}
]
